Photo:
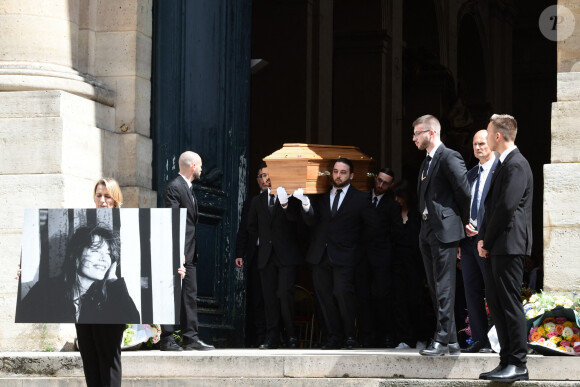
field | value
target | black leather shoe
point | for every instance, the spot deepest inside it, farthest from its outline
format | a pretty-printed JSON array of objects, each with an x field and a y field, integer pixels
[
  {"x": 475, "y": 347},
  {"x": 197, "y": 345},
  {"x": 454, "y": 349},
  {"x": 170, "y": 346},
  {"x": 484, "y": 375},
  {"x": 486, "y": 350},
  {"x": 332, "y": 345},
  {"x": 510, "y": 374},
  {"x": 293, "y": 342},
  {"x": 351, "y": 343},
  {"x": 435, "y": 349},
  {"x": 269, "y": 345}
]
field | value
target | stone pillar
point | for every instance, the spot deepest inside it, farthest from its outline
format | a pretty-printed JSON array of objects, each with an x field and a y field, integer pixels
[
  {"x": 74, "y": 106},
  {"x": 562, "y": 176}
]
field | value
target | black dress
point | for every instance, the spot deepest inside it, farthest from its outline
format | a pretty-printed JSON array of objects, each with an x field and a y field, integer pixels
[{"x": 99, "y": 339}]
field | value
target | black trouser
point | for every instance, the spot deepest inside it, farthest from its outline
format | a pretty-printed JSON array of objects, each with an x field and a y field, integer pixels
[
  {"x": 188, "y": 311},
  {"x": 503, "y": 286},
  {"x": 278, "y": 283},
  {"x": 255, "y": 313},
  {"x": 472, "y": 268},
  {"x": 373, "y": 288},
  {"x": 334, "y": 289},
  {"x": 408, "y": 287},
  {"x": 100, "y": 347},
  {"x": 440, "y": 269}
]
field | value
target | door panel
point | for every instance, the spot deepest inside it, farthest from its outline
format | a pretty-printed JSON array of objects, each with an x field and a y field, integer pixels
[{"x": 200, "y": 102}]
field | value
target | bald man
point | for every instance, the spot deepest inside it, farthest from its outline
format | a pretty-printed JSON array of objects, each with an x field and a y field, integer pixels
[
  {"x": 472, "y": 265},
  {"x": 179, "y": 194}
]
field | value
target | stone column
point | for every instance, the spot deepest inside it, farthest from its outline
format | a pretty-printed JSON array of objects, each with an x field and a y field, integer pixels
[
  {"x": 74, "y": 106},
  {"x": 562, "y": 176}
]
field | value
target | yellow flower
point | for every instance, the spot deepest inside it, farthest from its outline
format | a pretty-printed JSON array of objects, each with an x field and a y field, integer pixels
[
  {"x": 562, "y": 349},
  {"x": 568, "y": 324},
  {"x": 555, "y": 339},
  {"x": 541, "y": 331}
]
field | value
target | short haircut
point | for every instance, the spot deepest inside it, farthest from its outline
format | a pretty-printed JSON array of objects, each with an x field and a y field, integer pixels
[
  {"x": 113, "y": 188},
  {"x": 262, "y": 166},
  {"x": 506, "y": 125},
  {"x": 345, "y": 161},
  {"x": 187, "y": 159},
  {"x": 387, "y": 171},
  {"x": 429, "y": 122}
]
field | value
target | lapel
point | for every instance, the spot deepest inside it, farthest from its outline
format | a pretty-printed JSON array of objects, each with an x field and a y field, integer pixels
[
  {"x": 471, "y": 175},
  {"x": 488, "y": 182},
  {"x": 189, "y": 192},
  {"x": 345, "y": 200},
  {"x": 432, "y": 169}
]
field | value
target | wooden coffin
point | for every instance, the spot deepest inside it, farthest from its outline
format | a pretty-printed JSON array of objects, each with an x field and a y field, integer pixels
[{"x": 309, "y": 166}]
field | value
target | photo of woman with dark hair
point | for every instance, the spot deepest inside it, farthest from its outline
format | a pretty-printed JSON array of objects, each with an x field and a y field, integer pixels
[{"x": 88, "y": 282}]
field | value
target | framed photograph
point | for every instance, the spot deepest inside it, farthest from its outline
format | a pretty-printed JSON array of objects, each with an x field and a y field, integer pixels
[{"x": 101, "y": 266}]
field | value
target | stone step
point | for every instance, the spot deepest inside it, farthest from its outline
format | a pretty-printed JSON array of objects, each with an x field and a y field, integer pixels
[
  {"x": 278, "y": 382},
  {"x": 245, "y": 367}
]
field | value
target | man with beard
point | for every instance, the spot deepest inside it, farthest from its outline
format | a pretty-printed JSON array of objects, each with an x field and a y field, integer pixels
[
  {"x": 179, "y": 194},
  {"x": 339, "y": 219},
  {"x": 444, "y": 200},
  {"x": 372, "y": 276},
  {"x": 246, "y": 253}
]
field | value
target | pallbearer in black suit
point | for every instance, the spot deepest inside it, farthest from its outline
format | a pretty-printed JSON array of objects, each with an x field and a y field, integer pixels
[
  {"x": 273, "y": 217},
  {"x": 247, "y": 257},
  {"x": 339, "y": 218},
  {"x": 372, "y": 275},
  {"x": 472, "y": 265},
  {"x": 179, "y": 194},
  {"x": 444, "y": 198},
  {"x": 505, "y": 239}
]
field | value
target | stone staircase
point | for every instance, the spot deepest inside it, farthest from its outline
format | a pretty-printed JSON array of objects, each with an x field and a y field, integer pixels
[{"x": 251, "y": 367}]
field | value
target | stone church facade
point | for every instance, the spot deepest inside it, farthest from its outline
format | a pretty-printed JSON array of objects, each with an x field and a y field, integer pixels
[{"x": 76, "y": 98}]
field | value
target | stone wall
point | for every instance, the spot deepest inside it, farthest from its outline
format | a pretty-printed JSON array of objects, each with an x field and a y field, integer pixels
[
  {"x": 74, "y": 106},
  {"x": 562, "y": 176}
]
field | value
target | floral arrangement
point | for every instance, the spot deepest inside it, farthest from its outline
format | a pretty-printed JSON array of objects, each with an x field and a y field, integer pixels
[
  {"x": 540, "y": 303},
  {"x": 136, "y": 334},
  {"x": 557, "y": 333}
]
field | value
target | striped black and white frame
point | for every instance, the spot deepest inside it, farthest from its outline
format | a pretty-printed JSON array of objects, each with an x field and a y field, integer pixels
[{"x": 151, "y": 250}]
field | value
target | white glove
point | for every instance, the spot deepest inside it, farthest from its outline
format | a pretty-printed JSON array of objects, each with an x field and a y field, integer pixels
[
  {"x": 282, "y": 195},
  {"x": 299, "y": 194}
]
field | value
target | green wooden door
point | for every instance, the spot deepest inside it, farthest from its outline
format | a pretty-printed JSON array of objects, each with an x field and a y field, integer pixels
[{"x": 200, "y": 102}]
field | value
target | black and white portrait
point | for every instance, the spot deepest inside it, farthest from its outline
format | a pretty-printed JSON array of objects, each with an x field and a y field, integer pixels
[{"x": 103, "y": 266}]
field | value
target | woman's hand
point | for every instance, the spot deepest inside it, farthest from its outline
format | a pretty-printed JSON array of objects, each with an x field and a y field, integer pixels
[{"x": 181, "y": 271}]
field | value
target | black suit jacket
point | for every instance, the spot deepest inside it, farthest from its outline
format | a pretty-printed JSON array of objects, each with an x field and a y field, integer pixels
[
  {"x": 277, "y": 231},
  {"x": 446, "y": 194},
  {"x": 178, "y": 195},
  {"x": 471, "y": 176},
  {"x": 342, "y": 235},
  {"x": 245, "y": 241},
  {"x": 507, "y": 225},
  {"x": 378, "y": 251}
]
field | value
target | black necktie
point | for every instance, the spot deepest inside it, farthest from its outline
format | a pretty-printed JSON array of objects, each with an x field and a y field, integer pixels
[
  {"x": 335, "y": 202},
  {"x": 271, "y": 203},
  {"x": 375, "y": 201},
  {"x": 474, "y": 202},
  {"x": 425, "y": 167}
]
